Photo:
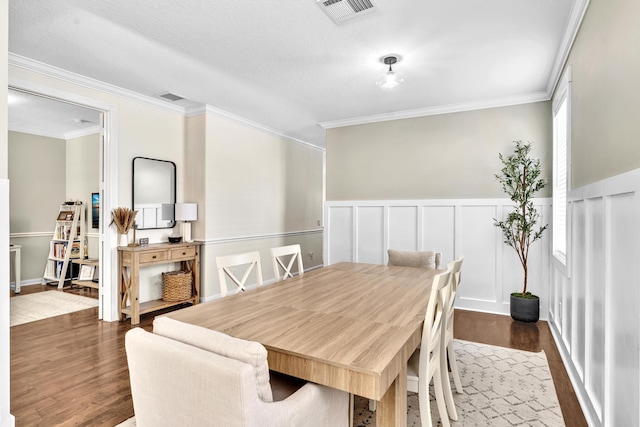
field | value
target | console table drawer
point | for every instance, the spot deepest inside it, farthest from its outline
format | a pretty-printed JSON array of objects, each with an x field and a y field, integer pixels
[
  {"x": 183, "y": 253},
  {"x": 153, "y": 256}
]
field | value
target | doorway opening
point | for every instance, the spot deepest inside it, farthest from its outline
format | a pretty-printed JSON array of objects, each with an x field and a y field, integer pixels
[{"x": 87, "y": 127}]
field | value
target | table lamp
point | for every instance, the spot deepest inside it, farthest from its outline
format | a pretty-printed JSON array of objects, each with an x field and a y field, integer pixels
[{"x": 186, "y": 212}]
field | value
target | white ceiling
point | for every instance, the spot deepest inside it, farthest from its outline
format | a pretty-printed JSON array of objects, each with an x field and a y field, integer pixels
[
  {"x": 286, "y": 65},
  {"x": 47, "y": 117}
]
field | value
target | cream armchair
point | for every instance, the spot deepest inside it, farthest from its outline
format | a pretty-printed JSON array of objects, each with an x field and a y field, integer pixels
[{"x": 179, "y": 378}]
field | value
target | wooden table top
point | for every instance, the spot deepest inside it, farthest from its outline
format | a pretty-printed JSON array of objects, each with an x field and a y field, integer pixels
[{"x": 348, "y": 326}]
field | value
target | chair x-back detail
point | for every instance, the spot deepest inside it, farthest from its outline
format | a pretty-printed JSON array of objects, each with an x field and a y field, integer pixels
[
  {"x": 455, "y": 267},
  {"x": 429, "y": 362},
  {"x": 283, "y": 269},
  {"x": 251, "y": 261}
]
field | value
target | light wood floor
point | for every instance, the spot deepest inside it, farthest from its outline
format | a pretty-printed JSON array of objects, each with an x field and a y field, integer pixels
[{"x": 71, "y": 370}]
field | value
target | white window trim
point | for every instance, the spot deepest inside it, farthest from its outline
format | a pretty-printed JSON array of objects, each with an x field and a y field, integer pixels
[{"x": 563, "y": 91}]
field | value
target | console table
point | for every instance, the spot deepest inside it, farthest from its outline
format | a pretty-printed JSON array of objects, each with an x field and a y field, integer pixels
[{"x": 132, "y": 258}]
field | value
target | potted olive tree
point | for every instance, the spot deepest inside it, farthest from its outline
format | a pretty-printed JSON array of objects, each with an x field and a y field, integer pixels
[{"x": 520, "y": 179}]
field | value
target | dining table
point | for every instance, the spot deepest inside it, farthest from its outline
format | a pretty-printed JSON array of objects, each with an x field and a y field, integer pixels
[{"x": 349, "y": 326}]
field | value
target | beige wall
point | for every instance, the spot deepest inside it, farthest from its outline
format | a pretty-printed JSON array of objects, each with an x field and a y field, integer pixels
[
  {"x": 83, "y": 171},
  {"x": 444, "y": 156},
  {"x": 83, "y": 178},
  {"x": 61, "y": 170},
  {"x": 605, "y": 61},
  {"x": 253, "y": 188},
  {"x": 37, "y": 170},
  {"x": 37, "y": 185}
]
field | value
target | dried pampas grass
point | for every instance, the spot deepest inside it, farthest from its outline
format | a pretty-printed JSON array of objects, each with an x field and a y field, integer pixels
[{"x": 123, "y": 218}]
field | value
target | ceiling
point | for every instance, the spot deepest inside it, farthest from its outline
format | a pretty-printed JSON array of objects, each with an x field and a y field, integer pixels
[
  {"x": 48, "y": 117},
  {"x": 285, "y": 65}
]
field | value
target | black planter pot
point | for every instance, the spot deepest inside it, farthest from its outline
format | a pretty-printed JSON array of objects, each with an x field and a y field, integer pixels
[{"x": 525, "y": 309}]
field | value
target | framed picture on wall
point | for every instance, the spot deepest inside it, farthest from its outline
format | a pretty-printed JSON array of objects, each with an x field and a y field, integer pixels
[
  {"x": 65, "y": 216},
  {"x": 95, "y": 210}
]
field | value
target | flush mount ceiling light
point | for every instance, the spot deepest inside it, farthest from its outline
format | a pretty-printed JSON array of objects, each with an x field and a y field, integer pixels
[{"x": 390, "y": 79}]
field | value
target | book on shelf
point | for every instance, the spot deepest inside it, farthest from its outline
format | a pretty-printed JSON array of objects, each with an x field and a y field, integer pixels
[
  {"x": 63, "y": 232},
  {"x": 59, "y": 250}
]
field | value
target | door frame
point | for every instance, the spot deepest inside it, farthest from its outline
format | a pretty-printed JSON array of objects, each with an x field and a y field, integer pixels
[{"x": 108, "y": 302}]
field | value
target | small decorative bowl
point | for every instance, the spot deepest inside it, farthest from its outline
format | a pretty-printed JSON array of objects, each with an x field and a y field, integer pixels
[{"x": 175, "y": 239}]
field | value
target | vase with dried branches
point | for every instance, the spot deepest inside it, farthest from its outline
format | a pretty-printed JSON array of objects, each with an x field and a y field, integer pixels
[{"x": 123, "y": 218}]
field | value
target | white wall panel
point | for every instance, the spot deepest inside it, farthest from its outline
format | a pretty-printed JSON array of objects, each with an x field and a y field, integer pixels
[
  {"x": 371, "y": 235},
  {"x": 623, "y": 330},
  {"x": 594, "y": 314},
  {"x": 438, "y": 225},
  {"x": 578, "y": 284},
  {"x": 403, "y": 227},
  {"x": 595, "y": 321},
  {"x": 478, "y": 247},
  {"x": 341, "y": 235},
  {"x": 362, "y": 231}
]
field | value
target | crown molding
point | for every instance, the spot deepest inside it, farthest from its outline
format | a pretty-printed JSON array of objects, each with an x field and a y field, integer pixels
[
  {"x": 58, "y": 73},
  {"x": 208, "y": 109},
  {"x": 443, "y": 109},
  {"x": 578, "y": 10},
  {"x": 64, "y": 136},
  {"x": 82, "y": 132},
  {"x": 68, "y": 76}
]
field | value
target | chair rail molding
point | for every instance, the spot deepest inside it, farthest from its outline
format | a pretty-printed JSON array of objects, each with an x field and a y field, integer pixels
[{"x": 362, "y": 231}]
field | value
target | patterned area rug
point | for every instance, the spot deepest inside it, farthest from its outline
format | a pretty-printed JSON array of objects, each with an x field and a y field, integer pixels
[
  {"x": 41, "y": 305},
  {"x": 502, "y": 387}
]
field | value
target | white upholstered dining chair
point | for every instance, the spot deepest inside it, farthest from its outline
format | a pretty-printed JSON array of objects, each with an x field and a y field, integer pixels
[
  {"x": 283, "y": 259},
  {"x": 429, "y": 361},
  {"x": 455, "y": 267},
  {"x": 421, "y": 259},
  {"x": 250, "y": 261},
  {"x": 186, "y": 375}
]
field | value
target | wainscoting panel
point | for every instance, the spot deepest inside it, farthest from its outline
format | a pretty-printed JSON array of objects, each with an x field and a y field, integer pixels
[
  {"x": 578, "y": 285},
  {"x": 623, "y": 329},
  {"x": 437, "y": 225},
  {"x": 403, "y": 227},
  {"x": 340, "y": 224},
  {"x": 479, "y": 243},
  {"x": 595, "y": 321},
  {"x": 594, "y": 310},
  {"x": 362, "y": 231},
  {"x": 371, "y": 242}
]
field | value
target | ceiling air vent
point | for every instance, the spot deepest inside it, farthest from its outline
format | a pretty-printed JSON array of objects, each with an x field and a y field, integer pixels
[
  {"x": 342, "y": 11},
  {"x": 171, "y": 97}
]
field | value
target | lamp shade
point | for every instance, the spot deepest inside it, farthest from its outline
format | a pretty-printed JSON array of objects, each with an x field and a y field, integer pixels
[{"x": 186, "y": 211}]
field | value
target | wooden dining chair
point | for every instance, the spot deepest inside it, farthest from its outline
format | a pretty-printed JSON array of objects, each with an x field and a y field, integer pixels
[
  {"x": 455, "y": 267},
  {"x": 250, "y": 261},
  {"x": 283, "y": 259},
  {"x": 429, "y": 361},
  {"x": 420, "y": 259}
]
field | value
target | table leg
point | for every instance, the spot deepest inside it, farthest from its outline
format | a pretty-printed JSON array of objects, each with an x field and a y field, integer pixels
[{"x": 392, "y": 409}]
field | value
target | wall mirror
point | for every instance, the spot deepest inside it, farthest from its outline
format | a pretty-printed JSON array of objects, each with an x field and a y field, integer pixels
[{"x": 154, "y": 184}]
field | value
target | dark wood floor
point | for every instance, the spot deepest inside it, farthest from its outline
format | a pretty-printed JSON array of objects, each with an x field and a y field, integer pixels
[{"x": 71, "y": 370}]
